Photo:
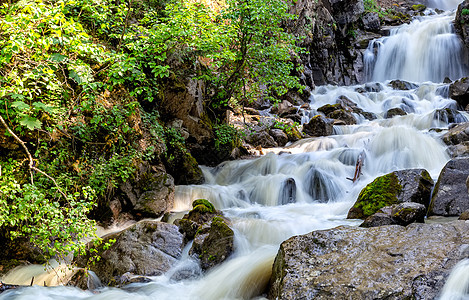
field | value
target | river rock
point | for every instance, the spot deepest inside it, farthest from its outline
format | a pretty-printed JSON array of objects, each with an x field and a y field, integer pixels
[
  {"x": 319, "y": 126},
  {"x": 397, "y": 214},
  {"x": 147, "y": 248},
  {"x": 457, "y": 134},
  {"x": 213, "y": 243},
  {"x": 396, "y": 111},
  {"x": 464, "y": 215},
  {"x": 459, "y": 91},
  {"x": 413, "y": 185},
  {"x": 449, "y": 115},
  {"x": 279, "y": 136},
  {"x": 402, "y": 85},
  {"x": 388, "y": 262},
  {"x": 450, "y": 196}
]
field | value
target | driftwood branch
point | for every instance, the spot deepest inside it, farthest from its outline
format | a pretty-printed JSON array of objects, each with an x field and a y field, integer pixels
[{"x": 32, "y": 166}]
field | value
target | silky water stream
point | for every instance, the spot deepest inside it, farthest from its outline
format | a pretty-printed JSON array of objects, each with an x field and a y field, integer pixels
[{"x": 304, "y": 187}]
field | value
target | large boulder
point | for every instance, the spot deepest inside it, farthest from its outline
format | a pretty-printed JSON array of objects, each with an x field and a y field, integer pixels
[
  {"x": 319, "y": 126},
  {"x": 213, "y": 239},
  {"x": 413, "y": 185},
  {"x": 388, "y": 262},
  {"x": 450, "y": 196},
  {"x": 449, "y": 115},
  {"x": 261, "y": 138},
  {"x": 213, "y": 243},
  {"x": 147, "y": 248}
]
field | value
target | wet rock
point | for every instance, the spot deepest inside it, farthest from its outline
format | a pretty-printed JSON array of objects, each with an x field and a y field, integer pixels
[
  {"x": 261, "y": 138},
  {"x": 450, "y": 196},
  {"x": 202, "y": 212},
  {"x": 344, "y": 116},
  {"x": 147, "y": 248},
  {"x": 319, "y": 126},
  {"x": 387, "y": 262},
  {"x": 419, "y": 7},
  {"x": 457, "y": 134},
  {"x": 413, "y": 185},
  {"x": 464, "y": 216},
  {"x": 402, "y": 85},
  {"x": 374, "y": 87},
  {"x": 213, "y": 243},
  {"x": 398, "y": 214},
  {"x": 396, "y": 111},
  {"x": 279, "y": 136},
  {"x": 371, "y": 21},
  {"x": 459, "y": 91},
  {"x": 287, "y": 192},
  {"x": 449, "y": 115},
  {"x": 85, "y": 280}
]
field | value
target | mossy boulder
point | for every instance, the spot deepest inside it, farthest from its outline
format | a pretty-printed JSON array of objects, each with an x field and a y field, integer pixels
[
  {"x": 183, "y": 167},
  {"x": 319, "y": 126},
  {"x": 213, "y": 243},
  {"x": 398, "y": 214},
  {"x": 202, "y": 212},
  {"x": 419, "y": 7},
  {"x": 414, "y": 185}
]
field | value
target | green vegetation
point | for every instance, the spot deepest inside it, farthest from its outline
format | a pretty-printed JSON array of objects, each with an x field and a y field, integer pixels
[
  {"x": 465, "y": 12},
  {"x": 383, "y": 191},
  {"x": 81, "y": 83},
  {"x": 202, "y": 206}
]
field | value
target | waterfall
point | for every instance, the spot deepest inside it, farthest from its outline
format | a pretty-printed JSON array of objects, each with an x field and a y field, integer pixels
[
  {"x": 424, "y": 50},
  {"x": 304, "y": 187},
  {"x": 457, "y": 285}
]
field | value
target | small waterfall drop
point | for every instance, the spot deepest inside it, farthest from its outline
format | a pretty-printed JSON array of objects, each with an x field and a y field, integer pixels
[
  {"x": 424, "y": 50},
  {"x": 457, "y": 284}
]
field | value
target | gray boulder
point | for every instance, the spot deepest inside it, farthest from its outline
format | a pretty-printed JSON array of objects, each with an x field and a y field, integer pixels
[
  {"x": 147, "y": 248},
  {"x": 261, "y": 138},
  {"x": 450, "y": 196},
  {"x": 388, "y": 262},
  {"x": 279, "y": 136}
]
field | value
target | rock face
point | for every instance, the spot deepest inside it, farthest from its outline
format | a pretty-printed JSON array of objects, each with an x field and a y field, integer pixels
[
  {"x": 389, "y": 262},
  {"x": 326, "y": 25},
  {"x": 461, "y": 23},
  {"x": 450, "y": 196},
  {"x": 147, "y": 248},
  {"x": 414, "y": 185}
]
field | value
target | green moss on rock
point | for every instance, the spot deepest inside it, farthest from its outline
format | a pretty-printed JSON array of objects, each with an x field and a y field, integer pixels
[
  {"x": 203, "y": 206},
  {"x": 383, "y": 191}
]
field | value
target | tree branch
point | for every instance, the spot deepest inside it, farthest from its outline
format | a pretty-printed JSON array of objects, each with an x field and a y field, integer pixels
[{"x": 30, "y": 158}]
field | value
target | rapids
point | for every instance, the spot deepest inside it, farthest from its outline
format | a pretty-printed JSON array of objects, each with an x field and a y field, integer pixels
[{"x": 304, "y": 187}]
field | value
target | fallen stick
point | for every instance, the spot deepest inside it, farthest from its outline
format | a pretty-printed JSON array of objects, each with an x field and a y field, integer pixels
[{"x": 358, "y": 166}]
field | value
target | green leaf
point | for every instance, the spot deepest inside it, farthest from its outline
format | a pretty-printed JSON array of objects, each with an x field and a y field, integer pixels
[
  {"x": 57, "y": 57},
  {"x": 20, "y": 105},
  {"x": 73, "y": 75},
  {"x": 44, "y": 107},
  {"x": 30, "y": 122}
]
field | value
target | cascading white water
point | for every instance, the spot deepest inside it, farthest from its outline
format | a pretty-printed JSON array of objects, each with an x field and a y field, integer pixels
[
  {"x": 424, "y": 50},
  {"x": 299, "y": 188},
  {"x": 457, "y": 284},
  {"x": 444, "y": 4}
]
